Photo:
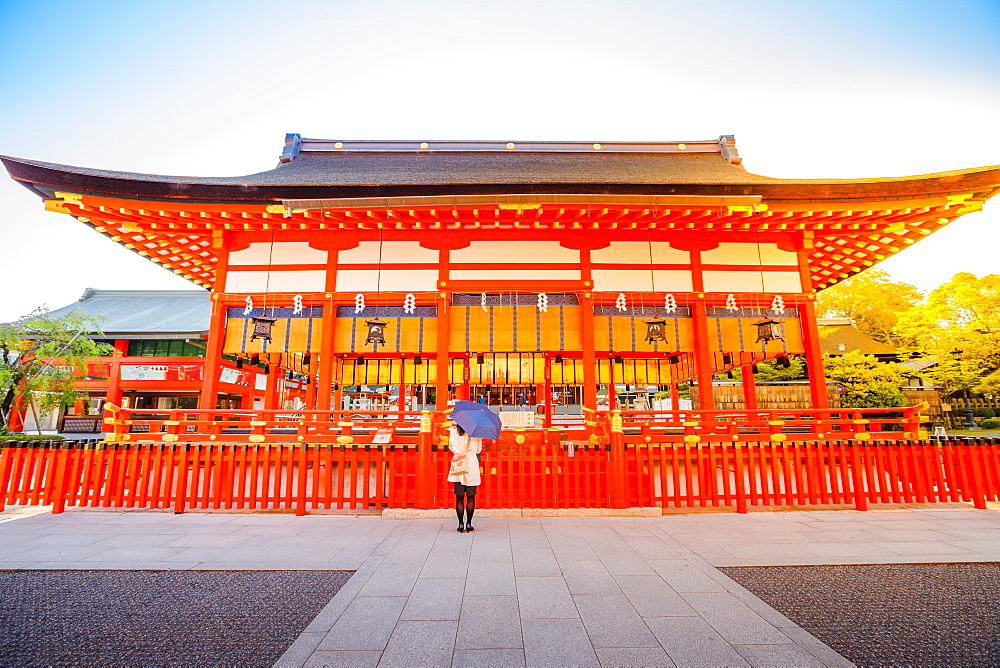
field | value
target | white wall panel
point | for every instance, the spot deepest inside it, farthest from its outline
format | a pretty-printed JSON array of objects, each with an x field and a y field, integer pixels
[
  {"x": 748, "y": 254},
  {"x": 750, "y": 281},
  {"x": 515, "y": 275},
  {"x": 636, "y": 280},
  {"x": 394, "y": 280},
  {"x": 283, "y": 252},
  {"x": 393, "y": 252},
  {"x": 279, "y": 281},
  {"x": 638, "y": 252},
  {"x": 488, "y": 252}
]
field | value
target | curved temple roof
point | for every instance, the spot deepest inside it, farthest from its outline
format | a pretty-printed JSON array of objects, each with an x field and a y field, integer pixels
[
  {"x": 849, "y": 224},
  {"x": 315, "y": 168}
]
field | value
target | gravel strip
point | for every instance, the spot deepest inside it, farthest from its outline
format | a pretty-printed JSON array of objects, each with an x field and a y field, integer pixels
[
  {"x": 157, "y": 618},
  {"x": 889, "y": 614}
]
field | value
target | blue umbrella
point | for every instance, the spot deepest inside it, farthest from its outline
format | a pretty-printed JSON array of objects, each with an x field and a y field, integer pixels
[{"x": 476, "y": 419}]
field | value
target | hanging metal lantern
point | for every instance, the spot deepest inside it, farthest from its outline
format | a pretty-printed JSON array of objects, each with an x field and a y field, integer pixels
[
  {"x": 768, "y": 330},
  {"x": 262, "y": 328},
  {"x": 656, "y": 329},
  {"x": 376, "y": 331}
]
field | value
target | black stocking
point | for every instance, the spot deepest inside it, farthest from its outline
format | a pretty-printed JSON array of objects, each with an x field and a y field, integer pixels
[
  {"x": 470, "y": 508},
  {"x": 459, "y": 507}
]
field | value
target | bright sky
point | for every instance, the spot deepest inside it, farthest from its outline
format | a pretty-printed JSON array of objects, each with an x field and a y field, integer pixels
[{"x": 810, "y": 88}]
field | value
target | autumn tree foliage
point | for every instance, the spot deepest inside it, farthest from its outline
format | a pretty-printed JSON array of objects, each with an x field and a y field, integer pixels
[
  {"x": 874, "y": 301},
  {"x": 959, "y": 327}
]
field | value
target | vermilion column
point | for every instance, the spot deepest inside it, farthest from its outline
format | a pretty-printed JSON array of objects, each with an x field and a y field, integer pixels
[
  {"x": 702, "y": 356},
  {"x": 589, "y": 357},
  {"x": 271, "y": 397},
  {"x": 324, "y": 379},
  {"x": 749, "y": 387},
  {"x": 443, "y": 338},
  {"x": 814, "y": 355},
  {"x": 213, "y": 355},
  {"x": 114, "y": 393}
]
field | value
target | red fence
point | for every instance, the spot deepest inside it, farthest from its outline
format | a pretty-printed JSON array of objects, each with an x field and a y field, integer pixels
[
  {"x": 284, "y": 426},
  {"x": 530, "y": 469}
]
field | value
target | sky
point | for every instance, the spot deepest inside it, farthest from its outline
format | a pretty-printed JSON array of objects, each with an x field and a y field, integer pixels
[{"x": 810, "y": 89}]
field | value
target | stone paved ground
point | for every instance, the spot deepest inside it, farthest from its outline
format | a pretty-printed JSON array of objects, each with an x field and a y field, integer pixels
[
  {"x": 535, "y": 591},
  {"x": 890, "y": 614},
  {"x": 157, "y": 618}
]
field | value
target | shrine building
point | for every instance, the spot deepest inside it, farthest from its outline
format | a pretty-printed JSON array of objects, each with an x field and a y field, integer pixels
[{"x": 538, "y": 274}]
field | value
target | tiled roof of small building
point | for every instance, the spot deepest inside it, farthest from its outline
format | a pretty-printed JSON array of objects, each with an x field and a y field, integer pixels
[
  {"x": 145, "y": 314},
  {"x": 837, "y": 334}
]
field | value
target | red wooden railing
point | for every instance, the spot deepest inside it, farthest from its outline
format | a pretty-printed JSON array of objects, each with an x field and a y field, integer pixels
[
  {"x": 536, "y": 471},
  {"x": 246, "y": 460}
]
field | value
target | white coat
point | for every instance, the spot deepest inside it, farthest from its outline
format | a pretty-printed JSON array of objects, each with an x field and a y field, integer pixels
[{"x": 465, "y": 447}]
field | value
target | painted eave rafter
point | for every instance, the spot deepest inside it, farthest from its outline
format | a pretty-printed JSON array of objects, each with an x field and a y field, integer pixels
[{"x": 841, "y": 238}]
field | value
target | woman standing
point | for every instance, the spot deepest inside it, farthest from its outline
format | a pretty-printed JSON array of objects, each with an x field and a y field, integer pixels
[{"x": 464, "y": 473}]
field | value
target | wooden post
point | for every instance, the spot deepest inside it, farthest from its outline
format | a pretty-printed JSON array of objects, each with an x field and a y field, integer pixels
[
  {"x": 324, "y": 380},
  {"x": 617, "y": 460},
  {"x": 814, "y": 355},
  {"x": 589, "y": 357},
  {"x": 114, "y": 393},
  {"x": 443, "y": 362},
  {"x": 271, "y": 397},
  {"x": 749, "y": 387},
  {"x": 213, "y": 355},
  {"x": 702, "y": 356},
  {"x": 547, "y": 390},
  {"x": 424, "y": 462}
]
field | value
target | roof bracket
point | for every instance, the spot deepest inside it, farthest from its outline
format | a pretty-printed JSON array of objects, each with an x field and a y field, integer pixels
[
  {"x": 293, "y": 144},
  {"x": 729, "y": 152}
]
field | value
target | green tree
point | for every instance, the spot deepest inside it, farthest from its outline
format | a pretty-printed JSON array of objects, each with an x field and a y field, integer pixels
[
  {"x": 959, "y": 326},
  {"x": 867, "y": 382},
  {"x": 770, "y": 370},
  {"x": 874, "y": 301},
  {"x": 42, "y": 357}
]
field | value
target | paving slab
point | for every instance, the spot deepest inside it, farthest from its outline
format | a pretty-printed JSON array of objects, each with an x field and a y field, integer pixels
[
  {"x": 489, "y": 622},
  {"x": 557, "y": 642},
  {"x": 608, "y": 590}
]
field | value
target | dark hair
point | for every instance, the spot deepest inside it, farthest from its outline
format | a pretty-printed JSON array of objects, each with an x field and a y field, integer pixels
[{"x": 461, "y": 432}]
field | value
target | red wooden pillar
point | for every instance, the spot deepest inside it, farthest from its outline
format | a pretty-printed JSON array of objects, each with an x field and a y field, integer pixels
[
  {"x": 589, "y": 357},
  {"x": 442, "y": 360},
  {"x": 549, "y": 406},
  {"x": 702, "y": 356},
  {"x": 617, "y": 486},
  {"x": 271, "y": 394},
  {"x": 749, "y": 387},
  {"x": 311, "y": 393},
  {"x": 324, "y": 378},
  {"x": 814, "y": 355},
  {"x": 424, "y": 482},
  {"x": 213, "y": 355},
  {"x": 114, "y": 393}
]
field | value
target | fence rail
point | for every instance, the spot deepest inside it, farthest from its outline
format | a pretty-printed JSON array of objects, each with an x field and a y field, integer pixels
[
  {"x": 526, "y": 469},
  {"x": 274, "y": 426}
]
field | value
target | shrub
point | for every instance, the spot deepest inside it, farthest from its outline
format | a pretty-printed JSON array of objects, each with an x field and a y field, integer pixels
[
  {"x": 30, "y": 437},
  {"x": 990, "y": 423},
  {"x": 984, "y": 412}
]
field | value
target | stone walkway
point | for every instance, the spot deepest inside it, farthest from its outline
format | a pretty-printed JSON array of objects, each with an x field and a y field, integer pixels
[{"x": 535, "y": 591}]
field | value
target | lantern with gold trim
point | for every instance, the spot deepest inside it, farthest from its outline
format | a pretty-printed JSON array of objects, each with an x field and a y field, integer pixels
[
  {"x": 376, "y": 331},
  {"x": 656, "y": 329},
  {"x": 262, "y": 328},
  {"x": 768, "y": 329}
]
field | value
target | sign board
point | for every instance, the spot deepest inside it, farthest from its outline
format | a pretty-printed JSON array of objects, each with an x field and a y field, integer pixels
[
  {"x": 513, "y": 419},
  {"x": 384, "y": 435},
  {"x": 143, "y": 372}
]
